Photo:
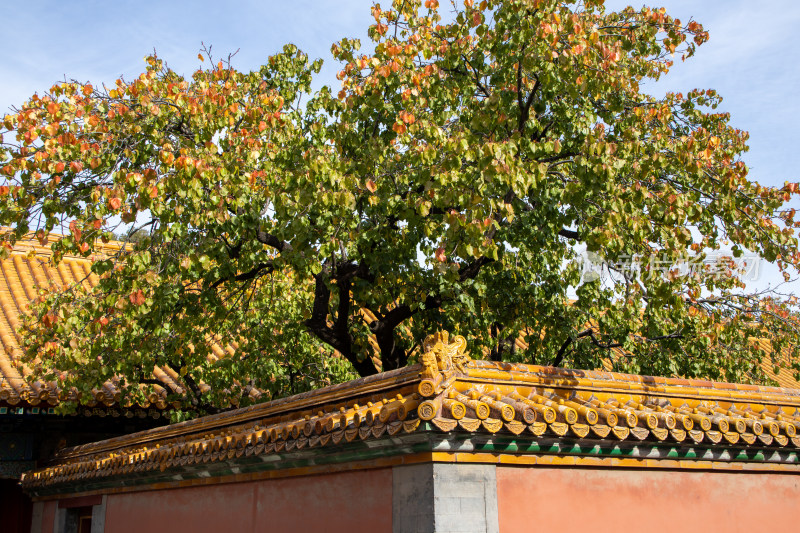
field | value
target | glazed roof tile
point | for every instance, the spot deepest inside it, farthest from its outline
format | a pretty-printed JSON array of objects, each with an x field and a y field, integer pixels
[
  {"x": 23, "y": 274},
  {"x": 516, "y": 409}
]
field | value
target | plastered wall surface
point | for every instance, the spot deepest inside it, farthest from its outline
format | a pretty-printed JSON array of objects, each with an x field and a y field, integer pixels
[
  {"x": 622, "y": 500},
  {"x": 344, "y": 502}
]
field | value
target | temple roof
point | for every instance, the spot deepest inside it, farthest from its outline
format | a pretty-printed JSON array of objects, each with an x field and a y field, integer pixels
[
  {"x": 450, "y": 407},
  {"x": 26, "y": 271}
]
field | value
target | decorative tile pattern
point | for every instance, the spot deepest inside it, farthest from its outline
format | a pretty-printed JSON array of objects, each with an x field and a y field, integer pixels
[
  {"x": 23, "y": 274},
  {"x": 467, "y": 408}
]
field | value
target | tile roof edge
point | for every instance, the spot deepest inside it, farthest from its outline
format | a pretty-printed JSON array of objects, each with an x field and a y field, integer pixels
[
  {"x": 424, "y": 373},
  {"x": 341, "y": 392},
  {"x": 601, "y": 377},
  {"x": 450, "y": 402}
]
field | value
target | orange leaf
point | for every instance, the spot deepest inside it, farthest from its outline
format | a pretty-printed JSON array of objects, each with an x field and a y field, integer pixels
[
  {"x": 371, "y": 186},
  {"x": 407, "y": 117},
  {"x": 137, "y": 298},
  {"x": 49, "y": 319}
]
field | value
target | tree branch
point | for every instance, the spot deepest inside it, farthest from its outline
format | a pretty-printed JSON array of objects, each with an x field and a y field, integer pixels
[
  {"x": 338, "y": 339},
  {"x": 589, "y": 332},
  {"x": 197, "y": 397},
  {"x": 271, "y": 240},
  {"x": 569, "y": 234},
  {"x": 504, "y": 343},
  {"x": 264, "y": 268},
  {"x": 471, "y": 270}
]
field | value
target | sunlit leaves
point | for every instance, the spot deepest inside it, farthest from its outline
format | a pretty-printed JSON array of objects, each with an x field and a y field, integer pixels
[
  {"x": 533, "y": 118},
  {"x": 448, "y": 183}
]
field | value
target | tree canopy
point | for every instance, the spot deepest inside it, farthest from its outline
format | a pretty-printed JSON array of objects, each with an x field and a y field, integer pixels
[{"x": 470, "y": 157}]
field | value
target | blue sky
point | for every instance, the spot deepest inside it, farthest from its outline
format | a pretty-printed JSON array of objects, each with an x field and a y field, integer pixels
[{"x": 751, "y": 59}]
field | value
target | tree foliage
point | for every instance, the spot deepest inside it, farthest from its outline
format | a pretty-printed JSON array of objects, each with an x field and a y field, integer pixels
[{"x": 450, "y": 184}]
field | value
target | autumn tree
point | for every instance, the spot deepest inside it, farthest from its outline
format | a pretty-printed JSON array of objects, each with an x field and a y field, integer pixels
[{"x": 452, "y": 182}]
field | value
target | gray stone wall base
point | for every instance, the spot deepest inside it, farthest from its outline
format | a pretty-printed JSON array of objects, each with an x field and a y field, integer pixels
[
  {"x": 36, "y": 517},
  {"x": 99, "y": 516},
  {"x": 65, "y": 522},
  {"x": 444, "y": 498}
]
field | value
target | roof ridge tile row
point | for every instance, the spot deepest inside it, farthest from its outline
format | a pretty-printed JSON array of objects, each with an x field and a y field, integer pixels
[{"x": 450, "y": 395}]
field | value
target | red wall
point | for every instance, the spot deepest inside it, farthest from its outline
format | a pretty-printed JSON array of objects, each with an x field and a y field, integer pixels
[
  {"x": 49, "y": 516},
  {"x": 344, "y": 502},
  {"x": 616, "y": 501}
]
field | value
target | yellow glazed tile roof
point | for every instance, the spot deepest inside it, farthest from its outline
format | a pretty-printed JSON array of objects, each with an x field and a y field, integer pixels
[
  {"x": 460, "y": 409},
  {"x": 23, "y": 274}
]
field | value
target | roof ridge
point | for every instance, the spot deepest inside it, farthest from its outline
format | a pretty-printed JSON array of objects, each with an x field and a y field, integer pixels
[
  {"x": 450, "y": 403},
  {"x": 620, "y": 377}
]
